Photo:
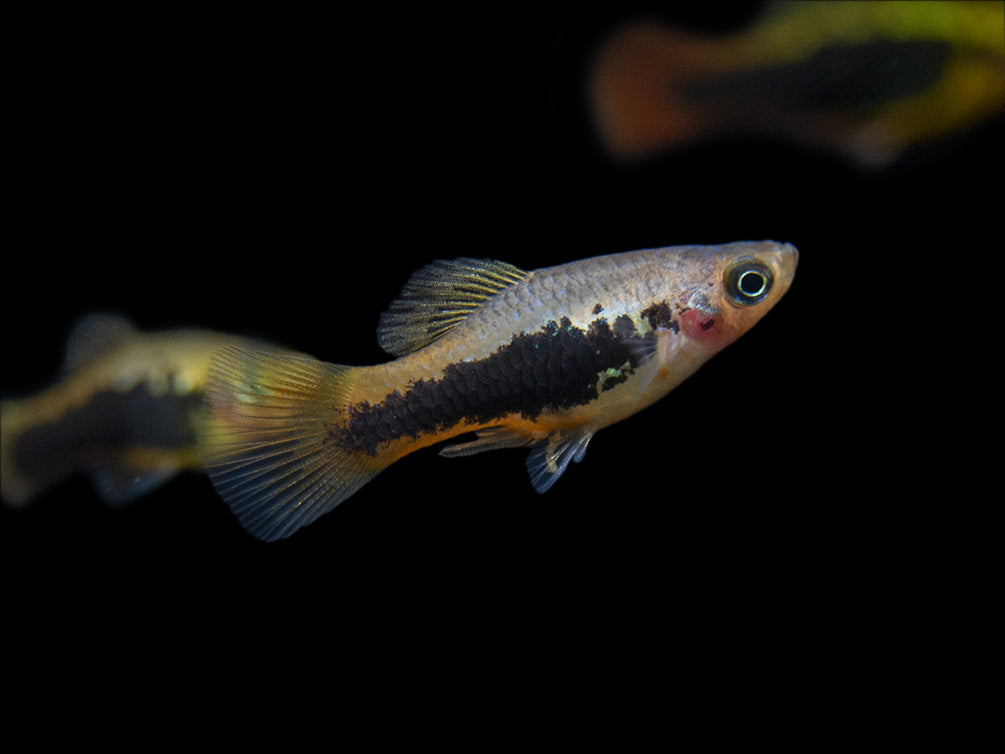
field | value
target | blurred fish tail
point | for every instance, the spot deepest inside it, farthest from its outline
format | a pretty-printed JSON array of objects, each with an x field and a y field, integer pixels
[
  {"x": 635, "y": 87},
  {"x": 16, "y": 488}
]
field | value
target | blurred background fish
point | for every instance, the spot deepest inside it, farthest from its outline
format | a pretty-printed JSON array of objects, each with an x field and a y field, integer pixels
[
  {"x": 127, "y": 411},
  {"x": 871, "y": 80}
]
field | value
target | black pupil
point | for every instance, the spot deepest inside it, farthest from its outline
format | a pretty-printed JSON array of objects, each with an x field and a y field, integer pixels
[{"x": 751, "y": 283}]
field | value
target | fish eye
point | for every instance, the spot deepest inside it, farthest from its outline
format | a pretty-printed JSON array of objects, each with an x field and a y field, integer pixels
[{"x": 748, "y": 282}]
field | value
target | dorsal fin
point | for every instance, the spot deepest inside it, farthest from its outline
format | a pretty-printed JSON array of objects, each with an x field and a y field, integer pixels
[
  {"x": 92, "y": 337},
  {"x": 438, "y": 297}
]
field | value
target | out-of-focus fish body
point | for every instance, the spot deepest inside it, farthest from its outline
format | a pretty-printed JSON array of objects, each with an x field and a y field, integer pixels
[
  {"x": 869, "y": 79},
  {"x": 542, "y": 359},
  {"x": 127, "y": 410}
]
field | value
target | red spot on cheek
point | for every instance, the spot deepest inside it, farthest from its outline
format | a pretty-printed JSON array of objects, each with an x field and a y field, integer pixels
[{"x": 697, "y": 325}]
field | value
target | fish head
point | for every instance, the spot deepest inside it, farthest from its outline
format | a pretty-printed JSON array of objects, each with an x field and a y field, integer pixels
[{"x": 732, "y": 287}]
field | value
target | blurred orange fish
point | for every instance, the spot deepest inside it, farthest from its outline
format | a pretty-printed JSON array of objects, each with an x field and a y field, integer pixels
[{"x": 869, "y": 79}]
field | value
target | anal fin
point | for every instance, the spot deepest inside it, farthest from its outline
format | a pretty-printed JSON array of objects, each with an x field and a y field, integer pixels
[
  {"x": 491, "y": 438},
  {"x": 549, "y": 458}
]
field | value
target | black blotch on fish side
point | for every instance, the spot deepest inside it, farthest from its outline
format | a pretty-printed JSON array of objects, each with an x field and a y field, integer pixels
[
  {"x": 659, "y": 316},
  {"x": 865, "y": 74},
  {"x": 557, "y": 368},
  {"x": 624, "y": 327}
]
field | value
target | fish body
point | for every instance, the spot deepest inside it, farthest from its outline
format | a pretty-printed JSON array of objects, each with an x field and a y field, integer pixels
[
  {"x": 542, "y": 359},
  {"x": 127, "y": 411},
  {"x": 868, "y": 79}
]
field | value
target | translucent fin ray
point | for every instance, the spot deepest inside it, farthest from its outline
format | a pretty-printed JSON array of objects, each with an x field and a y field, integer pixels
[
  {"x": 268, "y": 442},
  {"x": 549, "y": 459},
  {"x": 491, "y": 438},
  {"x": 438, "y": 297}
]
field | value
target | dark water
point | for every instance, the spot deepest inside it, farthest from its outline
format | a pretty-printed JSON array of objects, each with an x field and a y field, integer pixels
[{"x": 283, "y": 177}]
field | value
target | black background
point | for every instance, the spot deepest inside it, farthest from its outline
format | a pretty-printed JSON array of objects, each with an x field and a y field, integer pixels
[{"x": 282, "y": 175}]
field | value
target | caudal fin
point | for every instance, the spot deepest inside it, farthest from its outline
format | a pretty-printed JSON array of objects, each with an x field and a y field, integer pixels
[
  {"x": 270, "y": 441},
  {"x": 636, "y": 90}
]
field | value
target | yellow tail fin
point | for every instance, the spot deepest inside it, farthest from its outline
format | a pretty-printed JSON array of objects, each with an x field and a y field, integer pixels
[{"x": 270, "y": 441}]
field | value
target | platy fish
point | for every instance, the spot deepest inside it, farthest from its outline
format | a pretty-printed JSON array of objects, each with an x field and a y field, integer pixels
[
  {"x": 543, "y": 359},
  {"x": 128, "y": 411},
  {"x": 870, "y": 79}
]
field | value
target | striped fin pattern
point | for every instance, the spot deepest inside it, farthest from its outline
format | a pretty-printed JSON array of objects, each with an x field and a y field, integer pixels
[
  {"x": 268, "y": 443},
  {"x": 438, "y": 297}
]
